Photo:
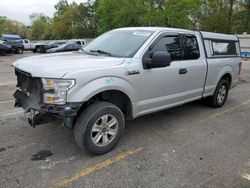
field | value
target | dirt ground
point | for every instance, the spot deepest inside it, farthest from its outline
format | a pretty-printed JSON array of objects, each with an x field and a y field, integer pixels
[{"x": 188, "y": 146}]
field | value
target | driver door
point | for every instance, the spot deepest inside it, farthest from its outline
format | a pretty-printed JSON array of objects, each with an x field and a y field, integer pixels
[{"x": 178, "y": 83}]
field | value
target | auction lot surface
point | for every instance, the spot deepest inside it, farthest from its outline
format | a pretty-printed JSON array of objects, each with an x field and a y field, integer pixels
[{"x": 188, "y": 146}]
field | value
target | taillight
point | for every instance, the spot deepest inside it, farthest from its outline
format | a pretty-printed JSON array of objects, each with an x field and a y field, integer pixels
[{"x": 240, "y": 67}]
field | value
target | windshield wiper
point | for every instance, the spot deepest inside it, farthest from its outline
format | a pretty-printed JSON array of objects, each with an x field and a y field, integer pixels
[{"x": 101, "y": 52}]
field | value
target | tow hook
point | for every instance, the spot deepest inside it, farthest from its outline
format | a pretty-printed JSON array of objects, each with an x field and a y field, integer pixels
[
  {"x": 32, "y": 119},
  {"x": 36, "y": 118}
]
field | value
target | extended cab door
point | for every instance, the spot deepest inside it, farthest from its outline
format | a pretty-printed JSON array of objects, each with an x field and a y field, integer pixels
[
  {"x": 182, "y": 81},
  {"x": 26, "y": 44}
]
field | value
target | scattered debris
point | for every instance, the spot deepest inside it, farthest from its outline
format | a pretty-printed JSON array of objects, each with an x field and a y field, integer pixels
[
  {"x": 201, "y": 158},
  {"x": 41, "y": 155},
  {"x": 51, "y": 163}
]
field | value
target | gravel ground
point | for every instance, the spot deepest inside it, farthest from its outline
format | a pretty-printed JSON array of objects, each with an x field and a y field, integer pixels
[{"x": 188, "y": 146}]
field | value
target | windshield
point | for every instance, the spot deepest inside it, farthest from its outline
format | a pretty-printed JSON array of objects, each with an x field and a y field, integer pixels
[
  {"x": 120, "y": 43},
  {"x": 66, "y": 44}
]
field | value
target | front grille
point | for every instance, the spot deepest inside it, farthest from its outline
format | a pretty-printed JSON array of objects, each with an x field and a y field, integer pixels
[{"x": 29, "y": 85}]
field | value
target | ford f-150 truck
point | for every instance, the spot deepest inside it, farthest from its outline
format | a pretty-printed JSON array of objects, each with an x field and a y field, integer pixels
[{"x": 123, "y": 74}]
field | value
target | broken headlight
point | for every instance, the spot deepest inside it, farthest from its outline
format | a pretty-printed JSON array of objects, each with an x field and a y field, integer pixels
[{"x": 56, "y": 90}]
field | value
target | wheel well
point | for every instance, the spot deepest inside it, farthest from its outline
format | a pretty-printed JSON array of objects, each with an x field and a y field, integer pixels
[
  {"x": 118, "y": 98},
  {"x": 227, "y": 77}
]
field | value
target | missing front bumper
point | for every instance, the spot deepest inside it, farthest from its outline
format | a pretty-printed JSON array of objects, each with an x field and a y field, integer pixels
[
  {"x": 45, "y": 113},
  {"x": 29, "y": 97},
  {"x": 36, "y": 118}
]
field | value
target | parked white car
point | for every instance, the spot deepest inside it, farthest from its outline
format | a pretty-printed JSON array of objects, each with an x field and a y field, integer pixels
[
  {"x": 28, "y": 45},
  {"x": 123, "y": 74}
]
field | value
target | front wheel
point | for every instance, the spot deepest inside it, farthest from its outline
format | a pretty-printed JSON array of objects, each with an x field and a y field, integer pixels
[
  {"x": 220, "y": 95},
  {"x": 19, "y": 51},
  {"x": 99, "y": 127}
]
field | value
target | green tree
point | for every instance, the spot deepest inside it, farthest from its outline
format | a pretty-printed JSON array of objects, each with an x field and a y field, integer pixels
[
  {"x": 13, "y": 27},
  {"x": 246, "y": 15},
  {"x": 41, "y": 26},
  {"x": 76, "y": 21},
  {"x": 182, "y": 13},
  {"x": 111, "y": 14},
  {"x": 61, "y": 7}
]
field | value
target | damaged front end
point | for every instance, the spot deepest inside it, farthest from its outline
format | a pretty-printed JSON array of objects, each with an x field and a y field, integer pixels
[{"x": 39, "y": 102}]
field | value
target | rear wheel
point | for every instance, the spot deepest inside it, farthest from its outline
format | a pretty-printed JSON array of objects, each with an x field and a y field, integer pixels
[
  {"x": 99, "y": 128},
  {"x": 2, "y": 52},
  {"x": 220, "y": 95}
]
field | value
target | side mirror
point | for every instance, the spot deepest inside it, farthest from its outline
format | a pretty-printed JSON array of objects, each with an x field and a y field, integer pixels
[{"x": 159, "y": 59}]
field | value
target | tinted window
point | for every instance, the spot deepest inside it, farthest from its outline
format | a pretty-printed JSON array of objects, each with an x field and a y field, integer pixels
[
  {"x": 26, "y": 41},
  {"x": 224, "y": 48},
  {"x": 171, "y": 44},
  {"x": 191, "y": 48}
]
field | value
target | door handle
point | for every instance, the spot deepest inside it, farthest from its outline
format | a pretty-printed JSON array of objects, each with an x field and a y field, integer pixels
[{"x": 183, "y": 71}]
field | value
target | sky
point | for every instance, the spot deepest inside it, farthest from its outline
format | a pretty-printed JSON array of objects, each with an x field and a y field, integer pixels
[{"x": 21, "y": 9}]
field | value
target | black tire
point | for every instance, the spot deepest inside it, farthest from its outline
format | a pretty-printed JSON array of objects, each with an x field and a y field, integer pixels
[
  {"x": 34, "y": 51},
  {"x": 19, "y": 51},
  {"x": 83, "y": 131},
  {"x": 3, "y": 52},
  {"x": 214, "y": 101},
  {"x": 38, "y": 49}
]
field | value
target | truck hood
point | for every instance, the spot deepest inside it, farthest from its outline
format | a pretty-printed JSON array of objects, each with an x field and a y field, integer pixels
[{"x": 57, "y": 65}]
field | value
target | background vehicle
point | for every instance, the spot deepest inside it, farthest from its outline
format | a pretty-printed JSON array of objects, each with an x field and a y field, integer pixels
[
  {"x": 245, "y": 45},
  {"x": 124, "y": 74},
  {"x": 9, "y": 37},
  {"x": 28, "y": 45},
  {"x": 16, "y": 47},
  {"x": 4, "y": 49},
  {"x": 45, "y": 47},
  {"x": 71, "y": 45}
]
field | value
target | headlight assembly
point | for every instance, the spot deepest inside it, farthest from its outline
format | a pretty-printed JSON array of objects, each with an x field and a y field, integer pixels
[{"x": 56, "y": 90}]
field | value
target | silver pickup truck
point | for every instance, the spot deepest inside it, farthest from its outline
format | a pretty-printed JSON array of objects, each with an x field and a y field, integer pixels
[{"x": 123, "y": 74}]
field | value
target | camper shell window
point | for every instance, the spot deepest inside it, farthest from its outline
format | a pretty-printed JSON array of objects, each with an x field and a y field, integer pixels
[{"x": 224, "y": 47}]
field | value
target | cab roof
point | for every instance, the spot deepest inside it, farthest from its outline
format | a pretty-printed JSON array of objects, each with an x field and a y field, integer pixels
[{"x": 206, "y": 35}]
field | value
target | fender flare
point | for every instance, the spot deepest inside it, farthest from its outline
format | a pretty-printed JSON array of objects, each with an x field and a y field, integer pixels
[
  {"x": 92, "y": 88},
  {"x": 225, "y": 70}
]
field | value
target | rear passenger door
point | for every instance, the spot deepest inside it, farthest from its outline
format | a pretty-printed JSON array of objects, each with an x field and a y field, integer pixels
[
  {"x": 26, "y": 44},
  {"x": 194, "y": 65},
  {"x": 178, "y": 83}
]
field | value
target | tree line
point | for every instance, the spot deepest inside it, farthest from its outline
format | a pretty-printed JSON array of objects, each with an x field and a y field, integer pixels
[{"x": 91, "y": 18}]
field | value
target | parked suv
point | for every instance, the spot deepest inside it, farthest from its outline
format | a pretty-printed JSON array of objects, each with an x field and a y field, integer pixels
[
  {"x": 123, "y": 74},
  {"x": 4, "y": 49},
  {"x": 16, "y": 47}
]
